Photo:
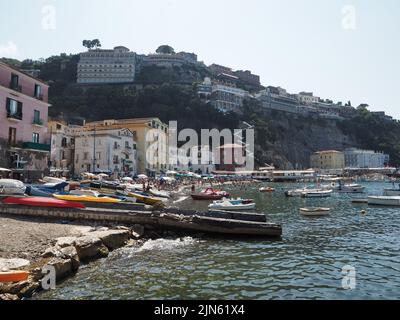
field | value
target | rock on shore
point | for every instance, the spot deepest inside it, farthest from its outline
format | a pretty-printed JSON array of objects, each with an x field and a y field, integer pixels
[{"x": 66, "y": 255}]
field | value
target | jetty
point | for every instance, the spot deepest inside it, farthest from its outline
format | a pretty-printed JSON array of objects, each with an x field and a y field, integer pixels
[{"x": 219, "y": 222}]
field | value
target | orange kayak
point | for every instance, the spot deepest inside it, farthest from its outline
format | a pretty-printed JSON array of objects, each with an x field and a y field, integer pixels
[{"x": 13, "y": 276}]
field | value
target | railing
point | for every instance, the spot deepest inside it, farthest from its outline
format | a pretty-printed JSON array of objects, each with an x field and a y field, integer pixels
[
  {"x": 36, "y": 146},
  {"x": 39, "y": 96},
  {"x": 15, "y": 87},
  {"x": 38, "y": 122},
  {"x": 17, "y": 116}
]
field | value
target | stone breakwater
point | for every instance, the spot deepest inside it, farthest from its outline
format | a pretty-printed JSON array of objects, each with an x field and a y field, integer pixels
[{"x": 65, "y": 256}]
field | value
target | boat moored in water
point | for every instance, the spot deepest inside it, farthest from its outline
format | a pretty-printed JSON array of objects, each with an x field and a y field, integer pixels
[
  {"x": 318, "y": 193},
  {"x": 314, "y": 211},
  {"x": 384, "y": 200},
  {"x": 233, "y": 204}
]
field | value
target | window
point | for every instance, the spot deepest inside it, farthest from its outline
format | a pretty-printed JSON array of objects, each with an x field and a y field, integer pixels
[
  {"x": 98, "y": 156},
  {"x": 12, "y": 136},
  {"x": 36, "y": 117},
  {"x": 38, "y": 91},
  {"x": 14, "y": 109},
  {"x": 85, "y": 155},
  {"x": 14, "y": 83},
  {"x": 35, "y": 137},
  {"x": 64, "y": 142}
]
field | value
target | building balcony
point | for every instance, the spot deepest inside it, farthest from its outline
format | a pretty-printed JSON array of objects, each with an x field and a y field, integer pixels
[
  {"x": 36, "y": 146},
  {"x": 14, "y": 116},
  {"x": 37, "y": 122},
  {"x": 15, "y": 87},
  {"x": 38, "y": 96}
]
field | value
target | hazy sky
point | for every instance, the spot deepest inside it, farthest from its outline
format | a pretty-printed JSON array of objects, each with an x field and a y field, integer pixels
[{"x": 339, "y": 49}]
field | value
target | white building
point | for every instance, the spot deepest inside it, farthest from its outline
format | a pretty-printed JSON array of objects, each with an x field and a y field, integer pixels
[
  {"x": 227, "y": 98},
  {"x": 356, "y": 158},
  {"x": 307, "y": 98},
  {"x": 62, "y": 148},
  {"x": 111, "y": 151},
  {"x": 101, "y": 66}
]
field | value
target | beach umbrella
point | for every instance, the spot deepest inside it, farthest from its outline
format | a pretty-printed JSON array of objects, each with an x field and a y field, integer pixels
[
  {"x": 127, "y": 179},
  {"x": 5, "y": 170},
  {"x": 142, "y": 176}
]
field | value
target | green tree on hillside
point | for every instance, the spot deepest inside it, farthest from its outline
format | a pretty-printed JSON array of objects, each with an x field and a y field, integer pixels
[{"x": 90, "y": 44}]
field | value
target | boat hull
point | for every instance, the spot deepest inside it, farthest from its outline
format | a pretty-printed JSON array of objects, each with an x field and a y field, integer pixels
[
  {"x": 199, "y": 196},
  {"x": 13, "y": 276},
  {"x": 314, "y": 212},
  {"x": 232, "y": 207},
  {"x": 384, "y": 201},
  {"x": 42, "y": 202},
  {"x": 86, "y": 198}
]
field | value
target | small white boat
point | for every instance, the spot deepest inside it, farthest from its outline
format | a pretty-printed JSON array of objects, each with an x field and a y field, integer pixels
[
  {"x": 314, "y": 211},
  {"x": 232, "y": 204},
  {"x": 384, "y": 200},
  {"x": 352, "y": 188},
  {"x": 299, "y": 192},
  {"x": 391, "y": 192},
  {"x": 266, "y": 189},
  {"x": 318, "y": 193},
  {"x": 11, "y": 187}
]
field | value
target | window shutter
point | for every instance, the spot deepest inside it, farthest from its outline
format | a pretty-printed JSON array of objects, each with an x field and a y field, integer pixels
[{"x": 8, "y": 105}]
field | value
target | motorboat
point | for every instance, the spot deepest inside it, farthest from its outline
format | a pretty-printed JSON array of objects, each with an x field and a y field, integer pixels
[
  {"x": 11, "y": 187},
  {"x": 314, "y": 211},
  {"x": 384, "y": 200},
  {"x": 210, "y": 194},
  {"x": 266, "y": 189},
  {"x": 318, "y": 193},
  {"x": 233, "y": 204},
  {"x": 351, "y": 188},
  {"x": 391, "y": 192},
  {"x": 299, "y": 192}
]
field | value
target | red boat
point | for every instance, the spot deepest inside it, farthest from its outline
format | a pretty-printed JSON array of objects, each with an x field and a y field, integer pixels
[
  {"x": 210, "y": 194},
  {"x": 43, "y": 202}
]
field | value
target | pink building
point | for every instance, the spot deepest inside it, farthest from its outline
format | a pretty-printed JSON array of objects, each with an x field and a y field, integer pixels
[{"x": 24, "y": 139}]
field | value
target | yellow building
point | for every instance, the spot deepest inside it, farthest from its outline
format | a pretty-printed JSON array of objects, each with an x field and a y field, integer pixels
[
  {"x": 329, "y": 159},
  {"x": 151, "y": 136}
]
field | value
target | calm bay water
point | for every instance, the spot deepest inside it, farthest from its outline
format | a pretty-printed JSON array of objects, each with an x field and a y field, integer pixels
[{"x": 306, "y": 264}]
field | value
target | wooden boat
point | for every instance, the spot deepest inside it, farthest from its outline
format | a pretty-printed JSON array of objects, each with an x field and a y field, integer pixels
[
  {"x": 266, "y": 189},
  {"x": 143, "y": 198},
  {"x": 384, "y": 200},
  {"x": 85, "y": 198},
  {"x": 314, "y": 211},
  {"x": 13, "y": 276},
  {"x": 11, "y": 187},
  {"x": 42, "y": 202},
  {"x": 233, "y": 204},
  {"x": 319, "y": 193}
]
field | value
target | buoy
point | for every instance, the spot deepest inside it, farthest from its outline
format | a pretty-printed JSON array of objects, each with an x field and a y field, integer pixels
[{"x": 363, "y": 212}]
